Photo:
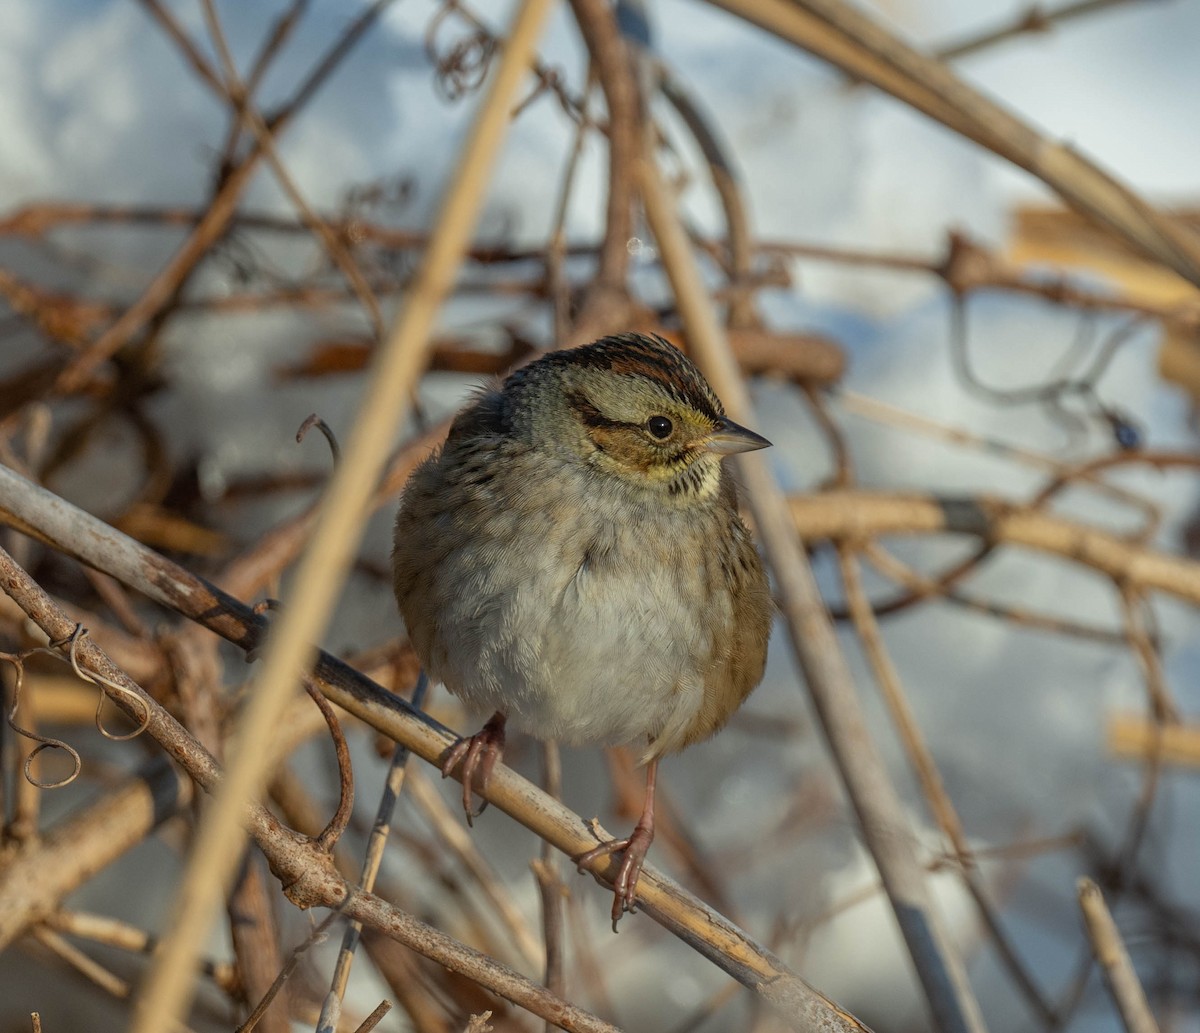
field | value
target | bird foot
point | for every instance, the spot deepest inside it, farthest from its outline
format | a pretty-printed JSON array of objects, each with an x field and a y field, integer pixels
[
  {"x": 478, "y": 756},
  {"x": 633, "y": 855}
]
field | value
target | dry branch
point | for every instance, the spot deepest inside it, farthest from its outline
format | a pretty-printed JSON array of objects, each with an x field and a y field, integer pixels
[
  {"x": 849, "y": 38},
  {"x": 1114, "y": 961},
  {"x": 34, "y": 880},
  {"x": 851, "y": 515},
  {"x": 920, "y": 758},
  {"x": 1135, "y": 738}
]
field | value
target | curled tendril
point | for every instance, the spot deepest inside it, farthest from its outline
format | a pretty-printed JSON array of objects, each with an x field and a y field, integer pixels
[
  {"x": 1073, "y": 377},
  {"x": 128, "y": 694},
  {"x": 44, "y": 742},
  {"x": 463, "y": 67},
  {"x": 315, "y": 421}
]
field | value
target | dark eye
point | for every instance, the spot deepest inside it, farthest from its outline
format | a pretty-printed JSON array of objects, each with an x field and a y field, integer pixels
[{"x": 660, "y": 427}]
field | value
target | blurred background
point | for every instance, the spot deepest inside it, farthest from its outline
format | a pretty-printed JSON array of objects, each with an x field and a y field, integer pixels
[{"x": 916, "y": 317}]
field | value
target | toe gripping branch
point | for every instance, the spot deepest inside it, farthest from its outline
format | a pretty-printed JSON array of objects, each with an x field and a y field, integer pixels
[
  {"x": 633, "y": 852},
  {"x": 478, "y": 756}
]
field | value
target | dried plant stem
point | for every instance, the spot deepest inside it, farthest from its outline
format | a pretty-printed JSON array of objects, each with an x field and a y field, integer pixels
[
  {"x": 1119, "y": 976},
  {"x": 334, "y": 540},
  {"x": 864, "y": 514},
  {"x": 409, "y": 982},
  {"x": 849, "y": 38},
  {"x": 1134, "y": 613},
  {"x": 1137, "y": 738},
  {"x": 1034, "y": 19},
  {"x": 928, "y": 588},
  {"x": 449, "y": 828},
  {"x": 375, "y": 1018},
  {"x": 87, "y": 966},
  {"x": 881, "y": 813},
  {"x": 884, "y": 412},
  {"x": 1133, "y": 604},
  {"x": 41, "y": 873},
  {"x": 608, "y": 296},
  {"x": 550, "y": 885},
  {"x": 254, "y": 934},
  {"x": 261, "y": 1009},
  {"x": 393, "y": 784},
  {"x": 921, "y": 759},
  {"x": 556, "y": 246},
  {"x": 114, "y": 933},
  {"x": 22, "y": 823}
]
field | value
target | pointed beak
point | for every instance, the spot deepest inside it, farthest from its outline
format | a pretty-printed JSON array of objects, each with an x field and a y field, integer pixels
[{"x": 730, "y": 438}]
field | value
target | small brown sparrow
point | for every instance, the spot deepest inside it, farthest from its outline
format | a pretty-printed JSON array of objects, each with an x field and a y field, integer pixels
[{"x": 573, "y": 559}]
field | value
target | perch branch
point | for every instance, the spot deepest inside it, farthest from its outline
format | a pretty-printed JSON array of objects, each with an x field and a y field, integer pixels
[{"x": 68, "y": 529}]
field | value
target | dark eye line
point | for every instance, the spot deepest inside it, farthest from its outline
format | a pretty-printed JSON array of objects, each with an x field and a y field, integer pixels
[
  {"x": 594, "y": 419},
  {"x": 589, "y": 414}
]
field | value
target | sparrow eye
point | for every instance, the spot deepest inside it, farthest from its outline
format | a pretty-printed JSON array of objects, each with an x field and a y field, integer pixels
[{"x": 660, "y": 427}]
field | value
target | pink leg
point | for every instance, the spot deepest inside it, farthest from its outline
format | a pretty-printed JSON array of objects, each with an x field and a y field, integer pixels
[
  {"x": 633, "y": 853},
  {"x": 478, "y": 754}
]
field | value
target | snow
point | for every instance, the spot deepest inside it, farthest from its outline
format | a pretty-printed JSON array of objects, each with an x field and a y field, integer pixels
[{"x": 96, "y": 105}]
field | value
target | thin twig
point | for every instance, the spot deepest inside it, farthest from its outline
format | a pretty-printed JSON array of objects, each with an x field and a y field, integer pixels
[
  {"x": 1034, "y": 19},
  {"x": 929, "y": 588},
  {"x": 883, "y": 412},
  {"x": 1160, "y": 709},
  {"x": 314, "y": 937},
  {"x": 921, "y": 758},
  {"x": 1119, "y": 975},
  {"x": 550, "y": 884},
  {"x": 393, "y": 784},
  {"x": 375, "y": 1018},
  {"x": 332, "y": 832},
  {"x": 521, "y": 938},
  {"x": 112, "y": 932}
]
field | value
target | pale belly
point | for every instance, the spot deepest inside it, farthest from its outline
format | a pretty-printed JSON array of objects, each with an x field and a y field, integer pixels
[{"x": 606, "y": 649}]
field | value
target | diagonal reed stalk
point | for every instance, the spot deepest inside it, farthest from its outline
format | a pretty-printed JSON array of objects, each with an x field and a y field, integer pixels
[
  {"x": 335, "y": 539},
  {"x": 881, "y": 814}
]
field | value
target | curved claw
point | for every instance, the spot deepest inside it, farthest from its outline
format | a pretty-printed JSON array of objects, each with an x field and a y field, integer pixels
[
  {"x": 478, "y": 756},
  {"x": 633, "y": 851}
]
